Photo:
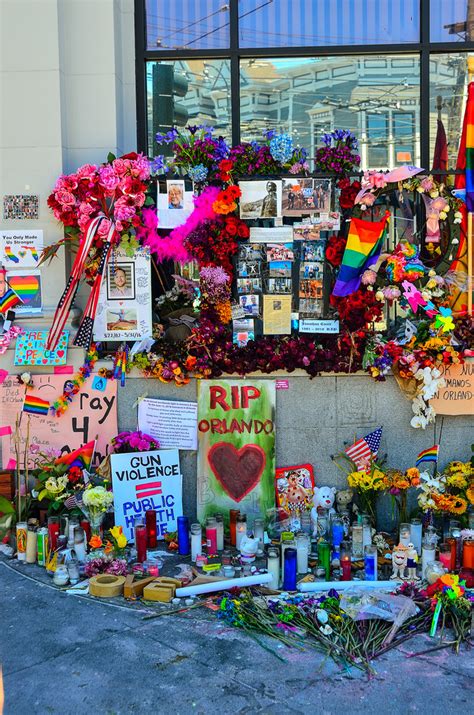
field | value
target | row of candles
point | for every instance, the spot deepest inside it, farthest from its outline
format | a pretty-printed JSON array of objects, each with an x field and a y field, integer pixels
[
  {"x": 454, "y": 553},
  {"x": 34, "y": 543}
]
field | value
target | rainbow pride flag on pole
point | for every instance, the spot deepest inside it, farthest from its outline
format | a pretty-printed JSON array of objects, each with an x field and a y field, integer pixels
[
  {"x": 81, "y": 457},
  {"x": 428, "y": 455},
  {"x": 362, "y": 250},
  {"x": 35, "y": 405},
  {"x": 8, "y": 301}
]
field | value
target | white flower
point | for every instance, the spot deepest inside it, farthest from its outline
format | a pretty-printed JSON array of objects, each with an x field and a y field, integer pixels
[
  {"x": 25, "y": 377},
  {"x": 98, "y": 497}
]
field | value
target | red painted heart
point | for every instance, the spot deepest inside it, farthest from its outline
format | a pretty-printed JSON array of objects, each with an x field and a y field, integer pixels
[
  {"x": 238, "y": 471},
  {"x": 60, "y": 353}
]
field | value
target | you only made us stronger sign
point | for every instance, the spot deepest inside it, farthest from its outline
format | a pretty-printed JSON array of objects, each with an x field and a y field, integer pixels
[{"x": 143, "y": 481}]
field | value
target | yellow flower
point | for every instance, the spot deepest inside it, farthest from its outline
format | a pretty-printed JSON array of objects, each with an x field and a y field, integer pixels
[
  {"x": 457, "y": 480},
  {"x": 119, "y": 536},
  {"x": 470, "y": 494}
]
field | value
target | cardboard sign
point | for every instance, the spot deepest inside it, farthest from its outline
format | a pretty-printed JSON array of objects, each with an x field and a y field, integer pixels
[
  {"x": 171, "y": 422},
  {"x": 457, "y": 397},
  {"x": 30, "y": 349},
  {"x": 236, "y": 446},
  {"x": 310, "y": 325},
  {"x": 147, "y": 480},
  {"x": 21, "y": 248},
  {"x": 90, "y": 413}
]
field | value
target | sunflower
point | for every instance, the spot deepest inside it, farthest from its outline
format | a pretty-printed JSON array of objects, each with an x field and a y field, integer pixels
[
  {"x": 459, "y": 505},
  {"x": 457, "y": 480},
  {"x": 470, "y": 493}
]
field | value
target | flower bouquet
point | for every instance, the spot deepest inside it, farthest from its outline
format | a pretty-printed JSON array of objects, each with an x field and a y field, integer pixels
[
  {"x": 398, "y": 484},
  {"x": 96, "y": 501},
  {"x": 448, "y": 492},
  {"x": 137, "y": 441},
  {"x": 196, "y": 152},
  {"x": 338, "y": 155},
  {"x": 56, "y": 482}
]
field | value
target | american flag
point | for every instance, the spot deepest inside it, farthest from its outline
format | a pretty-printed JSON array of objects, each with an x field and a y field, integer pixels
[
  {"x": 365, "y": 449},
  {"x": 75, "y": 500}
]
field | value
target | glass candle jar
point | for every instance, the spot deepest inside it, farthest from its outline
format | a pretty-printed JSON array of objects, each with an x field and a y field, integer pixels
[
  {"x": 345, "y": 560},
  {"x": 453, "y": 544},
  {"x": 21, "y": 538},
  {"x": 196, "y": 541},
  {"x": 140, "y": 542},
  {"x": 258, "y": 529},
  {"x": 211, "y": 536},
  {"x": 73, "y": 571},
  {"x": 433, "y": 571},
  {"x": 415, "y": 534},
  {"x": 240, "y": 529},
  {"x": 31, "y": 545},
  {"x": 445, "y": 555},
  {"x": 64, "y": 525},
  {"x": 53, "y": 532},
  {"x": 324, "y": 558},
  {"x": 428, "y": 554},
  {"x": 290, "y": 567},
  {"x": 85, "y": 523},
  {"x": 357, "y": 541},
  {"x": 226, "y": 557},
  {"x": 151, "y": 535},
  {"x": 468, "y": 554},
  {"x": 233, "y": 514},
  {"x": 273, "y": 567},
  {"x": 305, "y": 521},
  {"x": 183, "y": 535},
  {"x": 42, "y": 546},
  {"x": 72, "y": 523},
  {"x": 302, "y": 552},
  {"x": 366, "y": 532},
  {"x": 220, "y": 531},
  {"x": 455, "y": 533},
  {"x": 370, "y": 563},
  {"x": 61, "y": 575},
  {"x": 80, "y": 543},
  {"x": 337, "y": 536},
  {"x": 405, "y": 534}
]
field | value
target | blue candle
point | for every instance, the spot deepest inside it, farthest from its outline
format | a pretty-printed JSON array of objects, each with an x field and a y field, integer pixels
[
  {"x": 183, "y": 535},
  {"x": 337, "y": 533},
  {"x": 370, "y": 563},
  {"x": 290, "y": 568}
]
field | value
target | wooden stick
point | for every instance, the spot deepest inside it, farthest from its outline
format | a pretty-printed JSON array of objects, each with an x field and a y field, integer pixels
[{"x": 469, "y": 263}]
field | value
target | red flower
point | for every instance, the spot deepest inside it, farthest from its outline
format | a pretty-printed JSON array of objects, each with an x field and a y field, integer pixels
[
  {"x": 226, "y": 165},
  {"x": 74, "y": 475}
]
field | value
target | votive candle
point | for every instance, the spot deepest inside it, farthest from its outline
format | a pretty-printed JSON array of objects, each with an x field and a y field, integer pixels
[
  {"x": 211, "y": 536},
  {"x": 31, "y": 546},
  {"x": 445, "y": 555},
  {"x": 345, "y": 561},
  {"x": 183, "y": 535},
  {"x": 468, "y": 554},
  {"x": 220, "y": 531},
  {"x": 233, "y": 514},
  {"x": 140, "y": 542},
  {"x": 290, "y": 566},
  {"x": 240, "y": 529},
  {"x": 453, "y": 546},
  {"x": 302, "y": 552},
  {"x": 53, "y": 533},
  {"x": 370, "y": 563},
  {"x": 416, "y": 534},
  {"x": 151, "y": 535},
  {"x": 324, "y": 558},
  {"x": 273, "y": 567},
  {"x": 196, "y": 541},
  {"x": 87, "y": 530},
  {"x": 21, "y": 537}
]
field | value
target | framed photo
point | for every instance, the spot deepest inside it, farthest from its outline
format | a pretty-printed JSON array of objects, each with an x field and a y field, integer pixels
[
  {"x": 121, "y": 281},
  {"x": 312, "y": 270},
  {"x": 311, "y": 288},
  {"x": 251, "y": 252},
  {"x": 249, "y": 285},
  {"x": 250, "y": 303},
  {"x": 310, "y": 307},
  {"x": 306, "y": 232},
  {"x": 279, "y": 285},
  {"x": 280, "y": 252},
  {"x": 27, "y": 285},
  {"x": 260, "y": 199},
  {"x": 279, "y": 269},
  {"x": 121, "y": 319},
  {"x": 313, "y": 251},
  {"x": 175, "y": 194}
]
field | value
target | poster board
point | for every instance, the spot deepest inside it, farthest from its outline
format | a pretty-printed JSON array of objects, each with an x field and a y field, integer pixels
[
  {"x": 90, "y": 413},
  {"x": 30, "y": 349},
  {"x": 124, "y": 309},
  {"x": 147, "y": 480},
  {"x": 457, "y": 397},
  {"x": 236, "y": 447},
  {"x": 173, "y": 423}
]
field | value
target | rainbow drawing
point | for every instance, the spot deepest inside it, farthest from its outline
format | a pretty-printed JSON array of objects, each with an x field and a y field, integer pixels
[
  {"x": 428, "y": 455},
  {"x": 35, "y": 405},
  {"x": 10, "y": 255}
]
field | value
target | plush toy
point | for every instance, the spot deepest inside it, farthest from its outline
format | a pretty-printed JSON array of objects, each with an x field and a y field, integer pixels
[
  {"x": 323, "y": 499},
  {"x": 343, "y": 501},
  {"x": 399, "y": 561}
]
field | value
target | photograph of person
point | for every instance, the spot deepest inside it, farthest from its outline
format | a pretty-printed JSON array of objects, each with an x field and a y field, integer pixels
[
  {"x": 310, "y": 307},
  {"x": 279, "y": 285},
  {"x": 250, "y": 304},
  {"x": 175, "y": 194},
  {"x": 3, "y": 282},
  {"x": 121, "y": 319},
  {"x": 306, "y": 232},
  {"x": 279, "y": 269},
  {"x": 121, "y": 281},
  {"x": 297, "y": 197},
  {"x": 313, "y": 251},
  {"x": 311, "y": 270},
  {"x": 311, "y": 288},
  {"x": 260, "y": 199}
]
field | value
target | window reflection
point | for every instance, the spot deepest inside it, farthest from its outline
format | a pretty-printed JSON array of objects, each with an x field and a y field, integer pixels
[
  {"x": 283, "y": 23},
  {"x": 376, "y": 97},
  {"x": 451, "y": 21},
  {"x": 187, "y": 92},
  {"x": 187, "y": 24}
]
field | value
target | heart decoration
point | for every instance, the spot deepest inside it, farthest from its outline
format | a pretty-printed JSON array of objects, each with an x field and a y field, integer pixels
[
  {"x": 60, "y": 353},
  {"x": 26, "y": 287},
  {"x": 238, "y": 471}
]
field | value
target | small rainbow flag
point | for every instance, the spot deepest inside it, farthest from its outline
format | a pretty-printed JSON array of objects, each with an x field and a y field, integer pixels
[
  {"x": 362, "y": 250},
  {"x": 8, "y": 301},
  {"x": 81, "y": 457},
  {"x": 35, "y": 405},
  {"x": 428, "y": 455}
]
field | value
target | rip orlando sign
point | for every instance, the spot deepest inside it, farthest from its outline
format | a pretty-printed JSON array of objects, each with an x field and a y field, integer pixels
[{"x": 236, "y": 457}]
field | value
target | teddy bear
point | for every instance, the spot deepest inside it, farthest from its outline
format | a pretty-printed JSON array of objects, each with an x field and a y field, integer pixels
[{"x": 323, "y": 499}]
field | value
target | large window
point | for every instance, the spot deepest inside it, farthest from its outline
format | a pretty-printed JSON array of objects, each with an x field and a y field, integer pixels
[{"x": 381, "y": 68}]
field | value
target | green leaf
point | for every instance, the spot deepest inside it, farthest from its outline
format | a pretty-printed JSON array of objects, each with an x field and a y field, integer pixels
[
  {"x": 110, "y": 157},
  {"x": 6, "y": 506},
  {"x": 149, "y": 201},
  {"x": 43, "y": 493}
]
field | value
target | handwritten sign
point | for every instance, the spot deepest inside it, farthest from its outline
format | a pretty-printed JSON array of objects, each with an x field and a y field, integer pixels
[
  {"x": 313, "y": 325},
  {"x": 21, "y": 248},
  {"x": 457, "y": 397},
  {"x": 143, "y": 481},
  {"x": 30, "y": 349},
  {"x": 90, "y": 413},
  {"x": 172, "y": 423},
  {"x": 236, "y": 451}
]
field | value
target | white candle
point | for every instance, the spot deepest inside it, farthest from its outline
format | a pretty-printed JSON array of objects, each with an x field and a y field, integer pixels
[
  {"x": 428, "y": 555},
  {"x": 196, "y": 541},
  {"x": 241, "y": 530},
  {"x": 415, "y": 534},
  {"x": 343, "y": 585},
  {"x": 31, "y": 546},
  {"x": 302, "y": 552},
  {"x": 273, "y": 567},
  {"x": 220, "y": 532}
]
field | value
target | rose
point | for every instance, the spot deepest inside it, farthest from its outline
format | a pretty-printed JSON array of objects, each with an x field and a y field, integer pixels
[
  {"x": 108, "y": 179},
  {"x": 119, "y": 166},
  {"x": 86, "y": 171},
  {"x": 65, "y": 197},
  {"x": 104, "y": 227}
]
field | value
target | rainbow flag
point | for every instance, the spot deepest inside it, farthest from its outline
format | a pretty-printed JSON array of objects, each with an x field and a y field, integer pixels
[
  {"x": 81, "y": 457},
  {"x": 8, "y": 301},
  {"x": 35, "y": 405},
  {"x": 428, "y": 455},
  {"x": 362, "y": 250}
]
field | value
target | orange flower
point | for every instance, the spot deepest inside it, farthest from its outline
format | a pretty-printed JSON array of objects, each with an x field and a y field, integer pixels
[
  {"x": 95, "y": 542},
  {"x": 220, "y": 207},
  {"x": 470, "y": 493},
  {"x": 190, "y": 362},
  {"x": 108, "y": 547},
  {"x": 413, "y": 473}
]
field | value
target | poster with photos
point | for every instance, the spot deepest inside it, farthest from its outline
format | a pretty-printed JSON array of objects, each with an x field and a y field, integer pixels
[
  {"x": 20, "y": 207},
  {"x": 27, "y": 285},
  {"x": 124, "y": 310},
  {"x": 305, "y": 196},
  {"x": 260, "y": 199}
]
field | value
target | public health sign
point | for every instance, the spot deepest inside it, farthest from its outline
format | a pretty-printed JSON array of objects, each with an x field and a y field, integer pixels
[
  {"x": 236, "y": 457},
  {"x": 147, "y": 480}
]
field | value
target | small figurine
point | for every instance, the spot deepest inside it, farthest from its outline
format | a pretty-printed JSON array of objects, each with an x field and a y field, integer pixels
[
  {"x": 399, "y": 562},
  {"x": 323, "y": 500},
  {"x": 412, "y": 560}
]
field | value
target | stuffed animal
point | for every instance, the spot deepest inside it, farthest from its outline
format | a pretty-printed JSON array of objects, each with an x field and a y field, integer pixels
[
  {"x": 323, "y": 499},
  {"x": 343, "y": 500},
  {"x": 399, "y": 561}
]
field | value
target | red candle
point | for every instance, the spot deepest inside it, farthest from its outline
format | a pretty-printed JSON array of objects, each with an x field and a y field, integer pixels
[
  {"x": 211, "y": 538},
  {"x": 87, "y": 529},
  {"x": 140, "y": 542},
  {"x": 233, "y": 514},
  {"x": 150, "y": 518},
  {"x": 346, "y": 568},
  {"x": 468, "y": 554},
  {"x": 53, "y": 533},
  {"x": 452, "y": 542}
]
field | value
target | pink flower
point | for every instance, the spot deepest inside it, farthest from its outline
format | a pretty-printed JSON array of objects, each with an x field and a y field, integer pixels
[
  {"x": 86, "y": 209},
  {"x": 140, "y": 199},
  {"x": 368, "y": 199},
  {"x": 124, "y": 209},
  {"x": 140, "y": 168},
  {"x": 369, "y": 277},
  {"x": 108, "y": 179},
  {"x": 374, "y": 179},
  {"x": 104, "y": 227},
  {"x": 86, "y": 171},
  {"x": 83, "y": 221},
  {"x": 427, "y": 183},
  {"x": 119, "y": 166},
  {"x": 65, "y": 197}
]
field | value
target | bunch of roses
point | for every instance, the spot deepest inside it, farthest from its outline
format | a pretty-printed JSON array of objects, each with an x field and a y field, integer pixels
[
  {"x": 338, "y": 155},
  {"x": 212, "y": 243},
  {"x": 358, "y": 309},
  {"x": 117, "y": 189},
  {"x": 348, "y": 193},
  {"x": 335, "y": 250},
  {"x": 138, "y": 441}
]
